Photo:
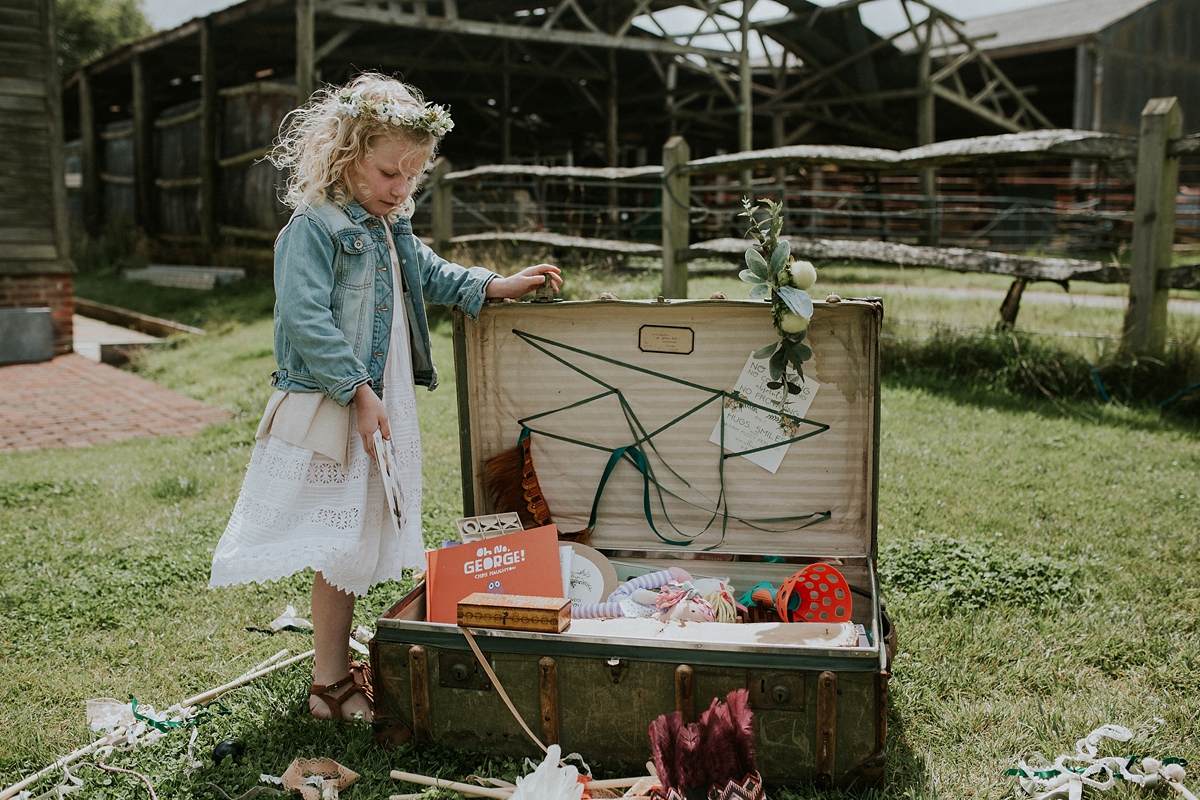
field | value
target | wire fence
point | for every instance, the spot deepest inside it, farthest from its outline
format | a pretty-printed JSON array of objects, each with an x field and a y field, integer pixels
[{"x": 1060, "y": 207}]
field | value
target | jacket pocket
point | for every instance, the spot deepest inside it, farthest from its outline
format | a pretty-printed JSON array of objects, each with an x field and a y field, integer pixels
[
  {"x": 355, "y": 261},
  {"x": 352, "y": 316}
]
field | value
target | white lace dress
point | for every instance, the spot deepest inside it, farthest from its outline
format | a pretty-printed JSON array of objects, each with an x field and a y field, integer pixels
[{"x": 299, "y": 509}]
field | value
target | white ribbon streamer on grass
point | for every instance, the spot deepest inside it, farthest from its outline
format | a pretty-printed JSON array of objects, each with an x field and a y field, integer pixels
[{"x": 1062, "y": 781}]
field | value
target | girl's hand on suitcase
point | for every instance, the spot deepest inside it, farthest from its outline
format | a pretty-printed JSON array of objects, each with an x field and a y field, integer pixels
[
  {"x": 524, "y": 282},
  {"x": 372, "y": 416}
]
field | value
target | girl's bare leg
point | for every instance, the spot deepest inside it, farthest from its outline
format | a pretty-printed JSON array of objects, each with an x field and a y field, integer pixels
[{"x": 332, "y": 615}]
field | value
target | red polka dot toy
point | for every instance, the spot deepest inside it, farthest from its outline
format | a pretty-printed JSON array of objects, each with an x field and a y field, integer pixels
[{"x": 817, "y": 593}]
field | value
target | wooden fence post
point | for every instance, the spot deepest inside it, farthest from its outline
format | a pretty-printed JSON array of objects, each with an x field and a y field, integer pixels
[
  {"x": 441, "y": 207},
  {"x": 926, "y": 123},
  {"x": 89, "y": 151},
  {"x": 208, "y": 140},
  {"x": 1153, "y": 226},
  {"x": 675, "y": 207},
  {"x": 305, "y": 50},
  {"x": 613, "y": 145},
  {"x": 143, "y": 157},
  {"x": 746, "y": 98}
]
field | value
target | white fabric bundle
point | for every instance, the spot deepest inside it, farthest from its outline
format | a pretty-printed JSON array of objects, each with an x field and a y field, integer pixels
[{"x": 549, "y": 781}]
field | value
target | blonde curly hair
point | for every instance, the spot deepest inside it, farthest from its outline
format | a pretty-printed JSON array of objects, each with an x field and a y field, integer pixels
[{"x": 319, "y": 143}]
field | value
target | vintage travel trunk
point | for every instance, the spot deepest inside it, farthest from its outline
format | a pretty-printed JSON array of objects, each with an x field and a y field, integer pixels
[{"x": 628, "y": 395}]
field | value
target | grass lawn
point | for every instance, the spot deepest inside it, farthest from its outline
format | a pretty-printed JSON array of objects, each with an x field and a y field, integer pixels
[{"x": 1041, "y": 561}]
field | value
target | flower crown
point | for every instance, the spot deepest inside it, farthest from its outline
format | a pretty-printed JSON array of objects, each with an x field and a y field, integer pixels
[{"x": 424, "y": 117}]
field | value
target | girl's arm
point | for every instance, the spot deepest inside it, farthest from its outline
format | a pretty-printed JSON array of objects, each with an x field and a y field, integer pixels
[
  {"x": 304, "y": 284},
  {"x": 450, "y": 284}
]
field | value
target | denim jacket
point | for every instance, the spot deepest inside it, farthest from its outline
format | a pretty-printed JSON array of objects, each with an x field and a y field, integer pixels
[{"x": 333, "y": 308}]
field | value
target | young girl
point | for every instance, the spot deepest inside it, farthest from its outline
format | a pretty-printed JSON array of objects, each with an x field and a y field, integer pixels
[{"x": 351, "y": 339}]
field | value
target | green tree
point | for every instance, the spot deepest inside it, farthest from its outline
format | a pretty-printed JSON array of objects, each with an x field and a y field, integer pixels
[{"x": 87, "y": 28}]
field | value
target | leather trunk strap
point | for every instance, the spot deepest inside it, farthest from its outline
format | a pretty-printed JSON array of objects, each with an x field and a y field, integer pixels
[{"x": 487, "y": 668}]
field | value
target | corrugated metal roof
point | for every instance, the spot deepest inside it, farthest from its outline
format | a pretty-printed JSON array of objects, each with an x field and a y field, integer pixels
[{"x": 1056, "y": 22}]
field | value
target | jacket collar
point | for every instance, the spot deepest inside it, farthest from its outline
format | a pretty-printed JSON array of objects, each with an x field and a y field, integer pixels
[
  {"x": 359, "y": 215},
  {"x": 356, "y": 212}
]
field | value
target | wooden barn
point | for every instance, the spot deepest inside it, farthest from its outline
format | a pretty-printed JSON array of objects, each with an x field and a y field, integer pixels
[
  {"x": 35, "y": 268},
  {"x": 170, "y": 130},
  {"x": 1094, "y": 63}
]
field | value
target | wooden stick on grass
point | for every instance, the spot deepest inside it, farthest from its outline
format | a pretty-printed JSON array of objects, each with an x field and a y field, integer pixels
[
  {"x": 454, "y": 786},
  {"x": 1183, "y": 790},
  {"x": 212, "y": 694},
  {"x": 480, "y": 791},
  {"x": 615, "y": 783},
  {"x": 204, "y": 697},
  {"x": 268, "y": 662},
  {"x": 70, "y": 758}
]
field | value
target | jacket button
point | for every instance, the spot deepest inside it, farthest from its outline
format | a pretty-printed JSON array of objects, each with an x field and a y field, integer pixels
[
  {"x": 378, "y": 353},
  {"x": 381, "y": 308},
  {"x": 404, "y": 261},
  {"x": 358, "y": 244}
]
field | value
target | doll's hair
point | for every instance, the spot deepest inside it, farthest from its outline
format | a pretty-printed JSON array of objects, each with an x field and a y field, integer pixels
[{"x": 319, "y": 143}]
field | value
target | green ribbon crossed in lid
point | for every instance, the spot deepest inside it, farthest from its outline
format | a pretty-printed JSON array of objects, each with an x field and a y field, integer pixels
[{"x": 635, "y": 453}]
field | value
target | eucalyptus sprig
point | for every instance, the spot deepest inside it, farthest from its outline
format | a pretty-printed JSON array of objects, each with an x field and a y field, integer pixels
[{"x": 775, "y": 273}]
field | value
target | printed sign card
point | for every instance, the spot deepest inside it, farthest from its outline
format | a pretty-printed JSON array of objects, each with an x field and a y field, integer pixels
[
  {"x": 525, "y": 563},
  {"x": 747, "y": 427}
]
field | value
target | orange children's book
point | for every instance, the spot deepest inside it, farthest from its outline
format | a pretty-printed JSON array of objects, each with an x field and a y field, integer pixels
[{"x": 525, "y": 562}]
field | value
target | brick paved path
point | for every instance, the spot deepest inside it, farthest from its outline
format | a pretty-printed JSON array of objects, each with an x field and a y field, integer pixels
[{"x": 74, "y": 402}]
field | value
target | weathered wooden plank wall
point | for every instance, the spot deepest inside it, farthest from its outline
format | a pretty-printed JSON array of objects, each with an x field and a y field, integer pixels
[
  {"x": 117, "y": 177},
  {"x": 1154, "y": 52},
  {"x": 250, "y": 187},
  {"x": 26, "y": 201},
  {"x": 177, "y": 163},
  {"x": 34, "y": 264},
  {"x": 247, "y": 187}
]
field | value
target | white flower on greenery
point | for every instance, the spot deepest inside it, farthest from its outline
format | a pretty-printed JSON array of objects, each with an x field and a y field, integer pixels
[
  {"x": 804, "y": 275},
  {"x": 774, "y": 273},
  {"x": 792, "y": 323}
]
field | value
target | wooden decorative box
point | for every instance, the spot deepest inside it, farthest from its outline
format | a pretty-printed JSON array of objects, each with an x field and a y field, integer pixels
[{"x": 515, "y": 612}]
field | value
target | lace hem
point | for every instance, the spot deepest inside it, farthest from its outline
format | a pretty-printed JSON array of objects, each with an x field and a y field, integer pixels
[{"x": 264, "y": 565}]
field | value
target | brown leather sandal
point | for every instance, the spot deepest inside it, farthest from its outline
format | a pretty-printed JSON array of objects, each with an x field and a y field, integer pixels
[
  {"x": 334, "y": 694},
  {"x": 361, "y": 670}
]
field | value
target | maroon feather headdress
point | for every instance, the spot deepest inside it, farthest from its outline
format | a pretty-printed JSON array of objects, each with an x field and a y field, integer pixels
[
  {"x": 664, "y": 738},
  {"x": 714, "y": 751},
  {"x": 742, "y": 717}
]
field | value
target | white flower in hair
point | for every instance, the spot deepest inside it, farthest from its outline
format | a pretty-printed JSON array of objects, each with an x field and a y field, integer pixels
[
  {"x": 424, "y": 117},
  {"x": 393, "y": 110},
  {"x": 350, "y": 104}
]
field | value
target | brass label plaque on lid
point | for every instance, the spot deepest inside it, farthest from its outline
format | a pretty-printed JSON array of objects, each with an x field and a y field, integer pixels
[{"x": 666, "y": 339}]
